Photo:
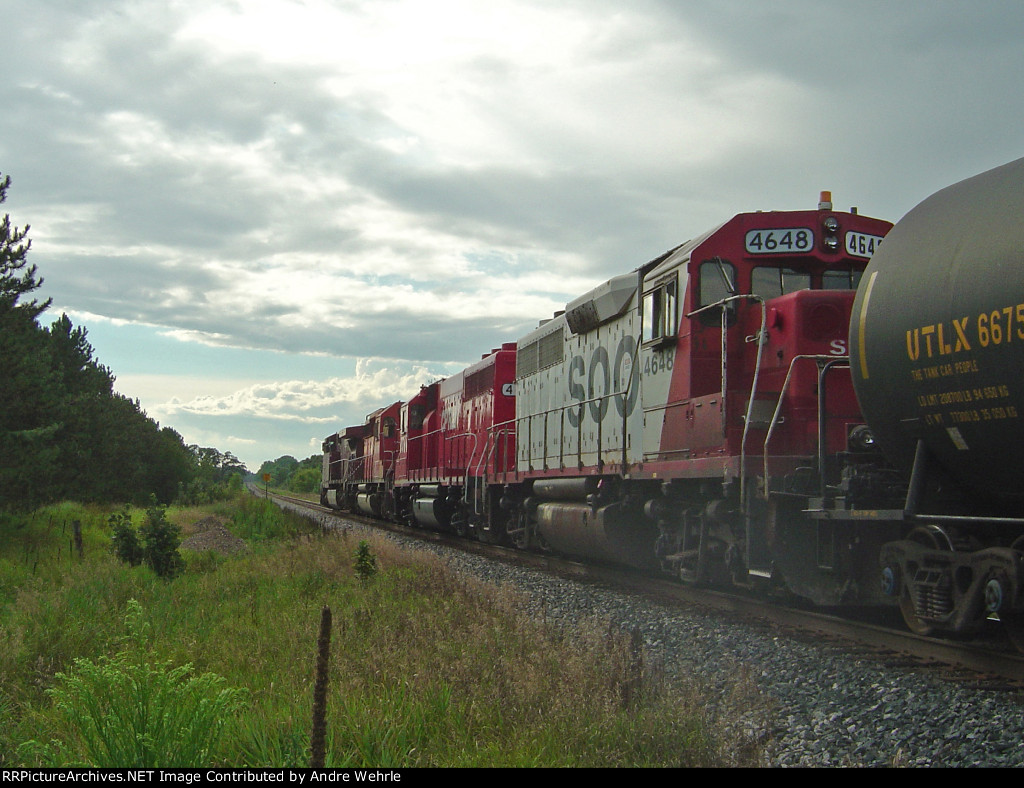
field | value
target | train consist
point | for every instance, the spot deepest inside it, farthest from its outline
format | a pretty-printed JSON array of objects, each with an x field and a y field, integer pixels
[{"x": 783, "y": 402}]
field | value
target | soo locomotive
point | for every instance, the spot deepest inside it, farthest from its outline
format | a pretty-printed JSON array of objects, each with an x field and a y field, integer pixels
[{"x": 704, "y": 415}]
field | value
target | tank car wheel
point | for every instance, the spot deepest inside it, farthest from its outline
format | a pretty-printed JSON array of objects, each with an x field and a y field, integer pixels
[
  {"x": 1013, "y": 621},
  {"x": 910, "y": 617},
  {"x": 1013, "y": 624},
  {"x": 934, "y": 537}
]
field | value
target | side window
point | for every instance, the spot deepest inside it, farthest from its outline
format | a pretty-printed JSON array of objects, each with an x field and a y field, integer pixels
[
  {"x": 661, "y": 311},
  {"x": 772, "y": 282},
  {"x": 717, "y": 282},
  {"x": 388, "y": 428}
]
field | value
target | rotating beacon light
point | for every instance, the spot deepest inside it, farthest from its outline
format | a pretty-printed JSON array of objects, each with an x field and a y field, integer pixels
[{"x": 830, "y": 224}]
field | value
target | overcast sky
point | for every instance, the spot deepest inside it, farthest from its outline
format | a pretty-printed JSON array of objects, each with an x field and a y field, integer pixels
[{"x": 274, "y": 216}]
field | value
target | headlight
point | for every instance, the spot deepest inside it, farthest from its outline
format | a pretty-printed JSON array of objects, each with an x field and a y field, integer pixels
[{"x": 861, "y": 438}]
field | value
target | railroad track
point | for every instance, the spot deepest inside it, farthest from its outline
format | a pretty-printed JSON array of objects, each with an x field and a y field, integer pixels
[{"x": 991, "y": 663}]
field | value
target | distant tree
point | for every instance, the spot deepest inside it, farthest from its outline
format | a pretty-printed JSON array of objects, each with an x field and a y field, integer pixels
[
  {"x": 213, "y": 477},
  {"x": 77, "y": 370},
  {"x": 280, "y": 470},
  {"x": 305, "y": 480}
]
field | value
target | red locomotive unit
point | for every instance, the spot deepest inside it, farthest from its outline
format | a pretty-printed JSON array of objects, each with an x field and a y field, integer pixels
[
  {"x": 685, "y": 414},
  {"x": 358, "y": 467},
  {"x": 453, "y": 439}
]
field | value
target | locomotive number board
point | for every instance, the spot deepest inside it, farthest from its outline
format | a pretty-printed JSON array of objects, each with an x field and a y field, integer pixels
[
  {"x": 862, "y": 244},
  {"x": 780, "y": 240}
]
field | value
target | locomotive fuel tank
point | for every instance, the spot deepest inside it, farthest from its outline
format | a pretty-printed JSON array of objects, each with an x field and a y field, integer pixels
[{"x": 937, "y": 336}]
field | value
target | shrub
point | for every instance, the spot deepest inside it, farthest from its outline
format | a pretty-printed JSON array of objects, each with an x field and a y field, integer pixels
[
  {"x": 156, "y": 542},
  {"x": 123, "y": 712},
  {"x": 126, "y": 541},
  {"x": 366, "y": 562},
  {"x": 160, "y": 539}
]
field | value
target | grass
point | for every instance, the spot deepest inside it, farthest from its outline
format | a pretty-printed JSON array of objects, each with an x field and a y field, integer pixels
[{"x": 425, "y": 669}]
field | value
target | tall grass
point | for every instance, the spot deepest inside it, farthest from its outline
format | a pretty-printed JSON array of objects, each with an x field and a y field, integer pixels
[{"x": 426, "y": 668}]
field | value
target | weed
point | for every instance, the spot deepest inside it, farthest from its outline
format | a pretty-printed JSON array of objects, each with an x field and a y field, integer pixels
[
  {"x": 366, "y": 562},
  {"x": 123, "y": 712}
]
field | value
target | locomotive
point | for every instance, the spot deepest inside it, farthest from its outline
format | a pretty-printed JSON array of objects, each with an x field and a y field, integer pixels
[{"x": 783, "y": 402}]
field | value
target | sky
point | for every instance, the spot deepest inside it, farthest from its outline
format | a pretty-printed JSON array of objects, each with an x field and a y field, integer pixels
[{"x": 275, "y": 216}]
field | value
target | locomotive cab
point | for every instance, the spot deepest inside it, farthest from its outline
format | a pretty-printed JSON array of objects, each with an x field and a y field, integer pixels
[{"x": 752, "y": 421}]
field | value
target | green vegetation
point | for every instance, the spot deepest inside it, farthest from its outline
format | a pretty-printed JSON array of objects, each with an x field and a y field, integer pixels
[
  {"x": 132, "y": 710},
  {"x": 106, "y": 663},
  {"x": 66, "y": 434},
  {"x": 292, "y": 476}
]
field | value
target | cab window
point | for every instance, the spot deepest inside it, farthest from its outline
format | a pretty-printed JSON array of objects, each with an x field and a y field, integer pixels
[
  {"x": 772, "y": 281},
  {"x": 717, "y": 282},
  {"x": 840, "y": 279}
]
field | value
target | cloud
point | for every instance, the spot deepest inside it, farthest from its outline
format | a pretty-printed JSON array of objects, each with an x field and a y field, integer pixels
[
  {"x": 344, "y": 184},
  {"x": 312, "y": 402},
  {"x": 417, "y": 183}
]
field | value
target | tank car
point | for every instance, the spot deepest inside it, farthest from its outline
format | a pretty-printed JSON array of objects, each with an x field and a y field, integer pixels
[{"x": 937, "y": 349}]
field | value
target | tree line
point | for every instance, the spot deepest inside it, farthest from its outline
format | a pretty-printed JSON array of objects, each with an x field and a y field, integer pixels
[
  {"x": 288, "y": 473},
  {"x": 65, "y": 434}
]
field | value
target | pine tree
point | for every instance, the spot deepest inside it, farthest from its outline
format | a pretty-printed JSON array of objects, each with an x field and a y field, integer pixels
[
  {"x": 29, "y": 388},
  {"x": 17, "y": 277}
]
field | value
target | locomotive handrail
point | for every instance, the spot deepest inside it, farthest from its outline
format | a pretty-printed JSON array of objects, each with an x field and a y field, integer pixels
[
  {"x": 824, "y": 363},
  {"x": 485, "y": 456},
  {"x": 561, "y": 409},
  {"x": 353, "y": 462},
  {"x": 753, "y": 383},
  {"x": 504, "y": 432},
  {"x": 469, "y": 462},
  {"x": 493, "y": 431},
  {"x": 839, "y": 362}
]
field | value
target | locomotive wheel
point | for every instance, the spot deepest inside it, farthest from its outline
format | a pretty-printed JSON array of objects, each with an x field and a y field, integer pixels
[{"x": 935, "y": 538}]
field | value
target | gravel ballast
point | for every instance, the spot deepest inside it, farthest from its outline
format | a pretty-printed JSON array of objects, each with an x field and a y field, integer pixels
[{"x": 816, "y": 706}]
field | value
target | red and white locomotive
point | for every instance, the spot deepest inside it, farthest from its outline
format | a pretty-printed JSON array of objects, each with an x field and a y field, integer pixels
[{"x": 682, "y": 416}]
